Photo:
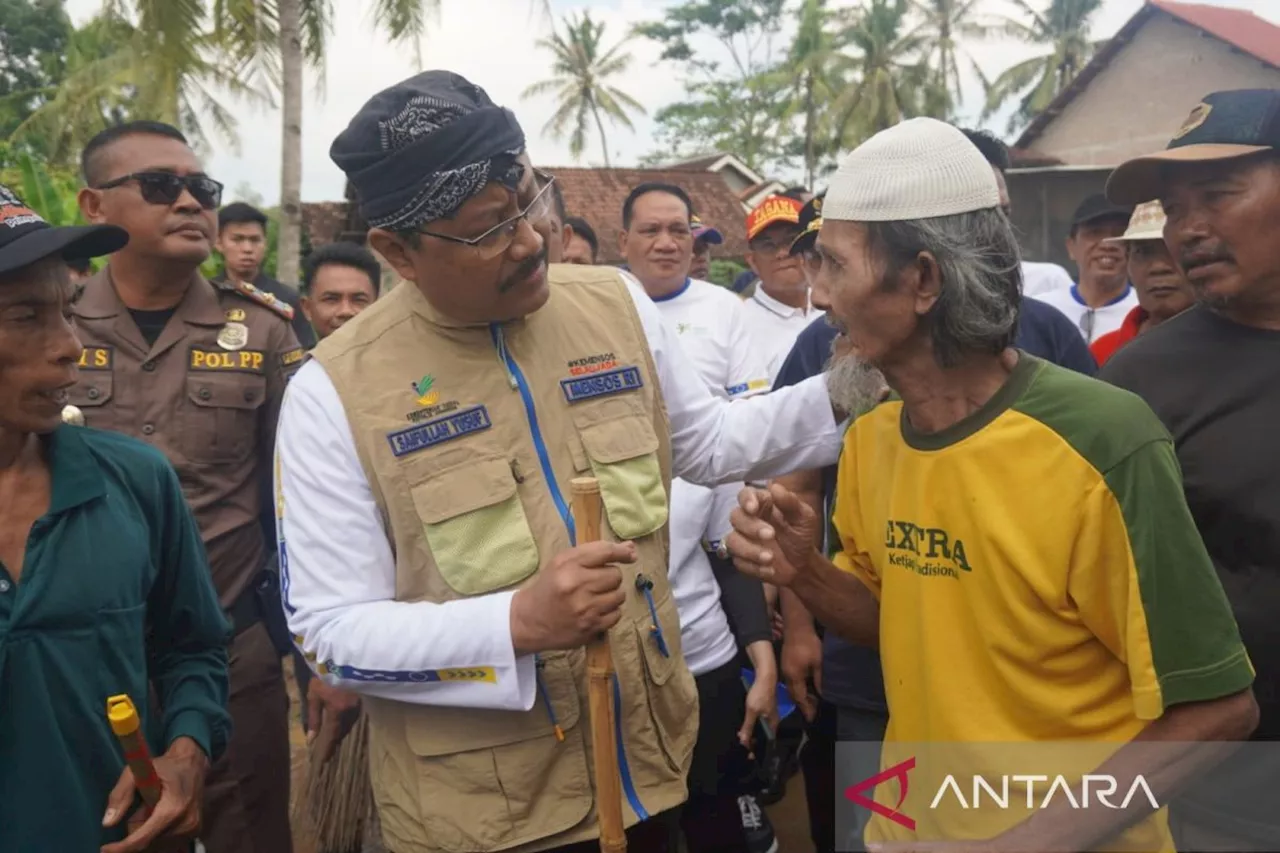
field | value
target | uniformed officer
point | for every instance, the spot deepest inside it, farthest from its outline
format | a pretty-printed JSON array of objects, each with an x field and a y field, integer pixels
[
  {"x": 425, "y": 453},
  {"x": 198, "y": 371}
]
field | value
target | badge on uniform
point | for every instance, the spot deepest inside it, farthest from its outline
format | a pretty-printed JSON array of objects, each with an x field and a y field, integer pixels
[
  {"x": 603, "y": 384},
  {"x": 96, "y": 358},
  {"x": 235, "y": 315},
  {"x": 245, "y": 361},
  {"x": 233, "y": 336}
]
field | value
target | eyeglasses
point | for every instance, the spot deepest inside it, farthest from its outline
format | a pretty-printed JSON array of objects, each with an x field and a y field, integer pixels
[
  {"x": 498, "y": 239},
  {"x": 166, "y": 188},
  {"x": 773, "y": 245}
]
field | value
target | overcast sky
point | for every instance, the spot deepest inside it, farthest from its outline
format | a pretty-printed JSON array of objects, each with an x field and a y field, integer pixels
[{"x": 491, "y": 42}]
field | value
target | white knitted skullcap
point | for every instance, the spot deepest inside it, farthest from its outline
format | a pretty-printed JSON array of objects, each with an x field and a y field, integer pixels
[{"x": 918, "y": 169}]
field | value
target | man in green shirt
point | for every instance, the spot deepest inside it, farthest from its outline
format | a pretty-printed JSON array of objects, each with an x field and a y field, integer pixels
[{"x": 104, "y": 586}]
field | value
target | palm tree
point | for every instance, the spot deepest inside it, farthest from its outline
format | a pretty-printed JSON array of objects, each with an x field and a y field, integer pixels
[
  {"x": 892, "y": 82},
  {"x": 582, "y": 68},
  {"x": 1064, "y": 28},
  {"x": 153, "y": 58},
  {"x": 276, "y": 39},
  {"x": 944, "y": 23},
  {"x": 817, "y": 68}
]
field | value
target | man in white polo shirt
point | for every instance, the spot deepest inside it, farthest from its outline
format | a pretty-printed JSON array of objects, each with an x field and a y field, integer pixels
[
  {"x": 779, "y": 309},
  {"x": 1103, "y": 297},
  {"x": 658, "y": 245}
]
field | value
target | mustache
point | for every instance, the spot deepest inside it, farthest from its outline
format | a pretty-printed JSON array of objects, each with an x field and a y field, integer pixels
[
  {"x": 1197, "y": 258},
  {"x": 523, "y": 271}
]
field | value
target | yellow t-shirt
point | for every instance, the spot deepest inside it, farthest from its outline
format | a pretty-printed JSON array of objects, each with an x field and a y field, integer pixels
[{"x": 1040, "y": 580}]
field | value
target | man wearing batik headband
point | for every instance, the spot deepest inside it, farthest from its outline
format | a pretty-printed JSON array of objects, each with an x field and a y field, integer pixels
[{"x": 424, "y": 463}]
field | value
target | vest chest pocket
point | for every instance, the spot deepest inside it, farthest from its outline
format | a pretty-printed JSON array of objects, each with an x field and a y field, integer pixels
[
  {"x": 476, "y": 527},
  {"x": 622, "y": 454}
]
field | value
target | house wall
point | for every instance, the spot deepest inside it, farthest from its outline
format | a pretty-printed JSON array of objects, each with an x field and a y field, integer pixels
[
  {"x": 1042, "y": 203},
  {"x": 1135, "y": 104},
  {"x": 736, "y": 181}
]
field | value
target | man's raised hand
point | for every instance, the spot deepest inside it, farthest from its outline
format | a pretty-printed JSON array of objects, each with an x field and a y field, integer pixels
[{"x": 773, "y": 534}]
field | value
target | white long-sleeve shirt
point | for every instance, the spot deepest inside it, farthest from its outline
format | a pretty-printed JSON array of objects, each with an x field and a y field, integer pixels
[
  {"x": 338, "y": 569},
  {"x": 711, "y": 324}
]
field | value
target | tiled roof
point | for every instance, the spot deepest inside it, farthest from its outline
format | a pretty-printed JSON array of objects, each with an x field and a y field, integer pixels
[
  {"x": 323, "y": 221},
  {"x": 1242, "y": 30},
  {"x": 330, "y": 221},
  {"x": 597, "y": 196},
  {"x": 696, "y": 164}
]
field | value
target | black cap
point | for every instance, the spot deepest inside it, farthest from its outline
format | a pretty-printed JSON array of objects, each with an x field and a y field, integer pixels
[
  {"x": 810, "y": 222},
  {"x": 1223, "y": 126},
  {"x": 1097, "y": 207},
  {"x": 26, "y": 238}
]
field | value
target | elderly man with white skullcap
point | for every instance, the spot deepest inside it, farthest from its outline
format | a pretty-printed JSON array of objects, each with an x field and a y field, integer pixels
[
  {"x": 429, "y": 557},
  {"x": 1013, "y": 536}
]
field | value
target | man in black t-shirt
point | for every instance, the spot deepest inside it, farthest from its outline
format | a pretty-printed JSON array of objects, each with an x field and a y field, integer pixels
[{"x": 1212, "y": 374}]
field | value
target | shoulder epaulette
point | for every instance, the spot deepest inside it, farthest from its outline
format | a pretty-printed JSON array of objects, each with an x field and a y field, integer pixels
[{"x": 248, "y": 291}]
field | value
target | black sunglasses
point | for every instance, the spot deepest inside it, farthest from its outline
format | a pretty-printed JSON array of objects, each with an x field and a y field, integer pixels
[{"x": 166, "y": 187}]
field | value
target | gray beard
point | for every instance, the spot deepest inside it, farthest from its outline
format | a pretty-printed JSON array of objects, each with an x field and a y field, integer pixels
[{"x": 855, "y": 386}]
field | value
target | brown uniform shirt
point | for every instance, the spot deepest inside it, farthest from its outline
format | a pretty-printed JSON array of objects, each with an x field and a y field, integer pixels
[{"x": 206, "y": 394}]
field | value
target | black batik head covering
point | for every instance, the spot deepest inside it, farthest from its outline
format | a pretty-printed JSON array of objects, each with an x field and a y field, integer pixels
[{"x": 420, "y": 150}]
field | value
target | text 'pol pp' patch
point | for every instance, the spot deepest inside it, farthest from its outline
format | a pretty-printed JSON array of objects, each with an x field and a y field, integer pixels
[
  {"x": 579, "y": 388},
  {"x": 242, "y": 361},
  {"x": 433, "y": 432}
]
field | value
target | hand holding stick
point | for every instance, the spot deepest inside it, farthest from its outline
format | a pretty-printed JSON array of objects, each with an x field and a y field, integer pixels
[{"x": 587, "y": 511}]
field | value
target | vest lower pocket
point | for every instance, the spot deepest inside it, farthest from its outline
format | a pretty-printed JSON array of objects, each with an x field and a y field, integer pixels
[
  {"x": 670, "y": 698},
  {"x": 623, "y": 454},
  {"x": 489, "y": 780},
  {"x": 476, "y": 527}
]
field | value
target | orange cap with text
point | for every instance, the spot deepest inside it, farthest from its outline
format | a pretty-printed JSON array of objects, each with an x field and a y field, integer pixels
[{"x": 774, "y": 209}]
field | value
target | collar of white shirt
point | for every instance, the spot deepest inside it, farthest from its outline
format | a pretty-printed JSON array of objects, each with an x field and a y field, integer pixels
[{"x": 774, "y": 306}]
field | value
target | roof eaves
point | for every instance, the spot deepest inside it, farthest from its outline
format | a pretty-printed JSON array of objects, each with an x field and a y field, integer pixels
[{"x": 1092, "y": 68}]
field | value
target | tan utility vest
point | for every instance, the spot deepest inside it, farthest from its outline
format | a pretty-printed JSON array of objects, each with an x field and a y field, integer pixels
[{"x": 475, "y": 497}]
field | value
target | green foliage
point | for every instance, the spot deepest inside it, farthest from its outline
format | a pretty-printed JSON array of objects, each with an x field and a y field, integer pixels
[
  {"x": 735, "y": 99},
  {"x": 51, "y": 193},
  {"x": 723, "y": 272},
  {"x": 33, "y": 46},
  {"x": 1063, "y": 27},
  {"x": 582, "y": 68},
  {"x": 847, "y": 73}
]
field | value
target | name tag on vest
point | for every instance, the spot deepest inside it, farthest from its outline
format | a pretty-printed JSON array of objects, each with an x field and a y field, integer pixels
[
  {"x": 95, "y": 358},
  {"x": 579, "y": 388},
  {"x": 430, "y": 433},
  {"x": 241, "y": 361}
]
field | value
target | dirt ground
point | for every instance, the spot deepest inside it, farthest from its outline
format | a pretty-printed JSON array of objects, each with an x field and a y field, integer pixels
[{"x": 790, "y": 817}]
